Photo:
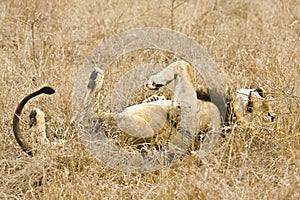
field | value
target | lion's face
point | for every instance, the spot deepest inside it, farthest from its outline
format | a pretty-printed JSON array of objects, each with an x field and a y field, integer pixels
[
  {"x": 250, "y": 103},
  {"x": 259, "y": 104}
]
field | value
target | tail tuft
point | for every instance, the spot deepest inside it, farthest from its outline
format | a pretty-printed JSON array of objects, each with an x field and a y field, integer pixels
[{"x": 47, "y": 90}]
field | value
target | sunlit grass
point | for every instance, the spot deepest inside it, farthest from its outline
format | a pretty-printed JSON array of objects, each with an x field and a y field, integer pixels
[{"x": 254, "y": 43}]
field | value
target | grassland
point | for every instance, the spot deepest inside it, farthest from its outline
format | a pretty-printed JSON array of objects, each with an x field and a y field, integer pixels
[{"x": 254, "y": 43}]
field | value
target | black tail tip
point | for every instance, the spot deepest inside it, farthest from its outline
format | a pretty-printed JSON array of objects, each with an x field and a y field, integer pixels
[{"x": 47, "y": 90}]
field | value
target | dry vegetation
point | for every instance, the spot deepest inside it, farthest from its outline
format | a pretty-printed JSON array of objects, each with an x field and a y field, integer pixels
[{"x": 254, "y": 43}]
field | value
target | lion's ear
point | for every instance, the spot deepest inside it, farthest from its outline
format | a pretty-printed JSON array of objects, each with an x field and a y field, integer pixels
[{"x": 260, "y": 91}]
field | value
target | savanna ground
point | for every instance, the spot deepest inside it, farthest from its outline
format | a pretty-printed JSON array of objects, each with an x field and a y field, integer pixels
[{"x": 254, "y": 43}]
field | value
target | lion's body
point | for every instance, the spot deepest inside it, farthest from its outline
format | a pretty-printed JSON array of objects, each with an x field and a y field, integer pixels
[{"x": 144, "y": 122}]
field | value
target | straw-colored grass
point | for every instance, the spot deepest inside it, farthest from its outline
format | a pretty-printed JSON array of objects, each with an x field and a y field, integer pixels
[{"x": 254, "y": 43}]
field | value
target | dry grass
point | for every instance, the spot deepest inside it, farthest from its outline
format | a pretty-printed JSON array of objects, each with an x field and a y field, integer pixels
[{"x": 254, "y": 43}]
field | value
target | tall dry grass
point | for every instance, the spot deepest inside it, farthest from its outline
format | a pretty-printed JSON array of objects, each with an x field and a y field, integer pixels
[{"x": 254, "y": 43}]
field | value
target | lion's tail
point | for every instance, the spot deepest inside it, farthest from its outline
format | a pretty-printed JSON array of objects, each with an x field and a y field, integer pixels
[{"x": 16, "y": 119}]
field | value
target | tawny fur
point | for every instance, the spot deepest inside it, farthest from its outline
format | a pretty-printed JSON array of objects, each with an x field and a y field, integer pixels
[
  {"x": 38, "y": 126},
  {"x": 38, "y": 130},
  {"x": 249, "y": 103},
  {"x": 207, "y": 113},
  {"x": 143, "y": 122}
]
